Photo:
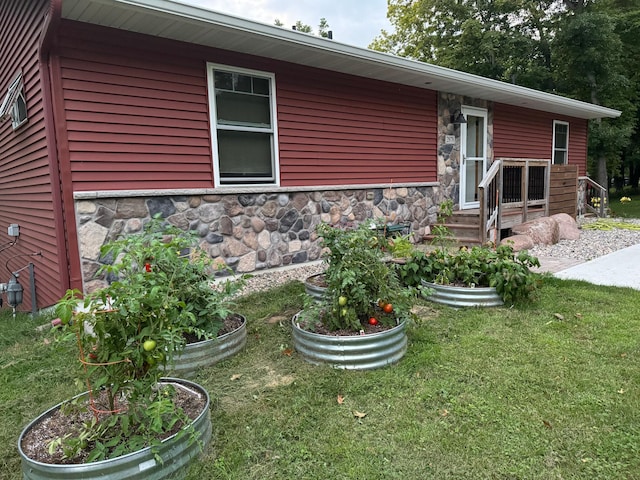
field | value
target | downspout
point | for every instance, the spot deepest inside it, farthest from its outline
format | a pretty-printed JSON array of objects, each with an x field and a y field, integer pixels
[{"x": 59, "y": 170}]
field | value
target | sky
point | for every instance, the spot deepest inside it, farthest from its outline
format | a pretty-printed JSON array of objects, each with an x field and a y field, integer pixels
[{"x": 355, "y": 22}]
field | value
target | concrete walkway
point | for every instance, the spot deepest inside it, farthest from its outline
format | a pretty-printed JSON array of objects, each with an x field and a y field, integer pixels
[{"x": 618, "y": 269}]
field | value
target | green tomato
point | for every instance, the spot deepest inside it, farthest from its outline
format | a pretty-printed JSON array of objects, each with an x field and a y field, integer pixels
[
  {"x": 149, "y": 345},
  {"x": 343, "y": 312},
  {"x": 342, "y": 301}
]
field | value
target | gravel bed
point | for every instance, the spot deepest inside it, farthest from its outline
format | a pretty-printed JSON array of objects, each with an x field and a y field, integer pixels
[
  {"x": 592, "y": 243},
  {"x": 266, "y": 279}
]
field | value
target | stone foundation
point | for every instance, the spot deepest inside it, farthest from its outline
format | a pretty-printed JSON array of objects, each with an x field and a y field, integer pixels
[{"x": 250, "y": 232}]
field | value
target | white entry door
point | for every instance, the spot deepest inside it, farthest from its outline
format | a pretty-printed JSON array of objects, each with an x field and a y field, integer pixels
[{"x": 473, "y": 155}]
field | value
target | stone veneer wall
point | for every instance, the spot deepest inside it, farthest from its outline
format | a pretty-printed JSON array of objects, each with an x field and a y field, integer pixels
[
  {"x": 449, "y": 151},
  {"x": 249, "y": 232}
]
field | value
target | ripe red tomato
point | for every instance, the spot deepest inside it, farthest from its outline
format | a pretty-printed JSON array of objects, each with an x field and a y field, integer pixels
[
  {"x": 387, "y": 308},
  {"x": 373, "y": 321}
]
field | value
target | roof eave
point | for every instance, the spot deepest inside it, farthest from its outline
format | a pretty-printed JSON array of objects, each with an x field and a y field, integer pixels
[{"x": 360, "y": 61}]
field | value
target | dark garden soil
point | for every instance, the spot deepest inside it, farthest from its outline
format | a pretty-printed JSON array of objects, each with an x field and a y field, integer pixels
[
  {"x": 230, "y": 324},
  {"x": 387, "y": 323},
  {"x": 317, "y": 280},
  {"x": 35, "y": 443}
]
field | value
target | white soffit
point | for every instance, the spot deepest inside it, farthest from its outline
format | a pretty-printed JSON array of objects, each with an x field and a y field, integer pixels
[{"x": 180, "y": 21}]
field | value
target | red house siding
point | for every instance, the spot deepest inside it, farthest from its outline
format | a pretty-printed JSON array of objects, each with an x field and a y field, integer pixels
[
  {"x": 333, "y": 132},
  {"x": 138, "y": 118},
  {"x": 25, "y": 185},
  {"x": 133, "y": 120},
  {"x": 526, "y": 133}
]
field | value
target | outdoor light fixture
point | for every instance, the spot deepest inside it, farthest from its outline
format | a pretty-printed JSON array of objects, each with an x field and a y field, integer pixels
[{"x": 457, "y": 118}]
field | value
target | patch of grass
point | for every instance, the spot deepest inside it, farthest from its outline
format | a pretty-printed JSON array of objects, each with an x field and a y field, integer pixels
[
  {"x": 548, "y": 390},
  {"x": 624, "y": 210},
  {"x": 34, "y": 374}
]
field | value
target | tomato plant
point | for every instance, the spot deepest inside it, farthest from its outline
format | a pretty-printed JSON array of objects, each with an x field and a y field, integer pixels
[
  {"x": 157, "y": 294},
  {"x": 357, "y": 277}
]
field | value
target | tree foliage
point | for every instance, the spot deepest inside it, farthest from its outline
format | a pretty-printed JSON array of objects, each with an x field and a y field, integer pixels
[
  {"x": 478, "y": 37},
  {"x": 589, "y": 66},
  {"x": 323, "y": 27},
  {"x": 584, "y": 49}
]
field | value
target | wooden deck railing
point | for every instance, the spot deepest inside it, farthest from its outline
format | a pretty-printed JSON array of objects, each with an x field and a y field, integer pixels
[
  {"x": 592, "y": 197},
  {"x": 489, "y": 197},
  {"x": 512, "y": 191}
]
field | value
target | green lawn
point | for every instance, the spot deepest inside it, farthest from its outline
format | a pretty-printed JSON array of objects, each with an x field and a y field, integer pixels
[
  {"x": 624, "y": 209},
  {"x": 546, "y": 391}
]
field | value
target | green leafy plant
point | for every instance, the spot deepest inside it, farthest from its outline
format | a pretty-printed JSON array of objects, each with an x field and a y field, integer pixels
[
  {"x": 360, "y": 286},
  {"x": 128, "y": 333},
  {"x": 173, "y": 257},
  {"x": 483, "y": 266},
  {"x": 400, "y": 246},
  {"x": 501, "y": 268},
  {"x": 442, "y": 236}
]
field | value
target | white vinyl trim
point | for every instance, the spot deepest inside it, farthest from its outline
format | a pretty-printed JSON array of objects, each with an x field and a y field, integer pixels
[
  {"x": 13, "y": 92},
  {"x": 459, "y": 82},
  {"x": 273, "y": 130},
  {"x": 555, "y": 148}
]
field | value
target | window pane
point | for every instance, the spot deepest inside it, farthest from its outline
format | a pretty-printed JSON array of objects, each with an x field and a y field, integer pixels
[
  {"x": 261, "y": 86},
  {"x": 244, "y": 154},
  {"x": 561, "y": 136},
  {"x": 241, "y": 83},
  {"x": 475, "y": 136},
  {"x": 223, "y": 80},
  {"x": 242, "y": 109},
  {"x": 559, "y": 157},
  {"x": 19, "y": 111}
]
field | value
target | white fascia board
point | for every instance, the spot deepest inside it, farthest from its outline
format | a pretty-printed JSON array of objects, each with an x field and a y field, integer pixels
[{"x": 486, "y": 88}]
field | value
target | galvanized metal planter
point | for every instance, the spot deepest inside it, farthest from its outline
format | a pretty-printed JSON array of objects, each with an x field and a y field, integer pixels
[
  {"x": 175, "y": 452},
  {"x": 358, "y": 352},
  {"x": 463, "y": 296},
  {"x": 206, "y": 353},
  {"x": 313, "y": 290}
]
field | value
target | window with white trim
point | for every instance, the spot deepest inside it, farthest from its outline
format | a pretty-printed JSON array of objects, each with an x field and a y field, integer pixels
[
  {"x": 243, "y": 125},
  {"x": 14, "y": 104},
  {"x": 560, "y": 142}
]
